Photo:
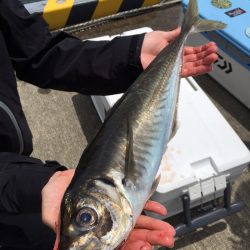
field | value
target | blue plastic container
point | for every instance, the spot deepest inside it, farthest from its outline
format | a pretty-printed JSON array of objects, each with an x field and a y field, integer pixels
[{"x": 235, "y": 39}]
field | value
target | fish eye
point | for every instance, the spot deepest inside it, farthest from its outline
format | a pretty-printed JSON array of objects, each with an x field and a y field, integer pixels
[{"x": 86, "y": 217}]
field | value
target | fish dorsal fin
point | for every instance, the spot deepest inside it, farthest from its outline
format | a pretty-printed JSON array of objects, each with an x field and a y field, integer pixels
[{"x": 130, "y": 174}]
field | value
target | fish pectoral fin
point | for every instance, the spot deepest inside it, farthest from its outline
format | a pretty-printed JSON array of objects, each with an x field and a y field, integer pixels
[
  {"x": 176, "y": 126},
  {"x": 130, "y": 172},
  {"x": 175, "y": 129},
  {"x": 155, "y": 184}
]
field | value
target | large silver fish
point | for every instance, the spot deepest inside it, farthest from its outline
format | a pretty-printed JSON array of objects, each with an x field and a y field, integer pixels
[{"x": 116, "y": 174}]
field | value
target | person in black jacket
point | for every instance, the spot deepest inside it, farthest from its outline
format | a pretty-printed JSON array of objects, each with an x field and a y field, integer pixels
[{"x": 30, "y": 188}]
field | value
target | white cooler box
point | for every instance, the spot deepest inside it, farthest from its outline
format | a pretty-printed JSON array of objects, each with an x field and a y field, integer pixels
[
  {"x": 232, "y": 70},
  {"x": 201, "y": 160}
]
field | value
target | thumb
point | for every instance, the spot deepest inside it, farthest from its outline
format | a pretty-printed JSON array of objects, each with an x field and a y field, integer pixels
[
  {"x": 56, "y": 245},
  {"x": 173, "y": 34}
]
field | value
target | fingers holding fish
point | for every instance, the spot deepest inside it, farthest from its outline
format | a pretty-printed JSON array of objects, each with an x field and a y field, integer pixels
[
  {"x": 196, "y": 60},
  {"x": 151, "y": 230},
  {"x": 52, "y": 195},
  {"x": 57, "y": 231},
  {"x": 171, "y": 35},
  {"x": 189, "y": 50},
  {"x": 193, "y": 70},
  {"x": 205, "y": 54},
  {"x": 135, "y": 245},
  {"x": 154, "y": 238},
  {"x": 146, "y": 222},
  {"x": 154, "y": 42},
  {"x": 199, "y": 60},
  {"x": 155, "y": 207},
  {"x": 210, "y": 55}
]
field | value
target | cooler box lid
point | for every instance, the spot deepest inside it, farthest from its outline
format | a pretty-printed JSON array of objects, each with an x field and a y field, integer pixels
[
  {"x": 204, "y": 146},
  {"x": 236, "y": 16}
]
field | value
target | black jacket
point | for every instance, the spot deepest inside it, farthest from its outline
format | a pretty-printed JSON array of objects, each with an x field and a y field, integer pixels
[{"x": 60, "y": 62}]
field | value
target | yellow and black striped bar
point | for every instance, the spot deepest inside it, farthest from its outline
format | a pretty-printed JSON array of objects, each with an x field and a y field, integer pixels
[{"x": 62, "y": 13}]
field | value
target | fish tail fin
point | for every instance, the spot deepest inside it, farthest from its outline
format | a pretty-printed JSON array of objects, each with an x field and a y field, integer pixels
[{"x": 194, "y": 24}]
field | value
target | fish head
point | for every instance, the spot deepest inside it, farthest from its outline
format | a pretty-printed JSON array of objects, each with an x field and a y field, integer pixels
[{"x": 94, "y": 216}]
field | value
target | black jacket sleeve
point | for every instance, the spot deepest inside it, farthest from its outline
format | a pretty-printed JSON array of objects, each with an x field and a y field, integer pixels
[
  {"x": 21, "y": 181},
  {"x": 64, "y": 62},
  {"x": 60, "y": 62}
]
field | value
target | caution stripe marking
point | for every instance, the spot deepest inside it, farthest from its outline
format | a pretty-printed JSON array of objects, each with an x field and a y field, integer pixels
[
  {"x": 150, "y": 2},
  {"x": 129, "y": 5},
  {"x": 56, "y": 12},
  {"x": 81, "y": 13},
  {"x": 61, "y": 13},
  {"x": 105, "y": 8}
]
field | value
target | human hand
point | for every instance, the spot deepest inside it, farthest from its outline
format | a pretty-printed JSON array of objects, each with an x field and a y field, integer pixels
[
  {"x": 196, "y": 60},
  {"x": 150, "y": 232},
  {"x": 52, "y": 195}
]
